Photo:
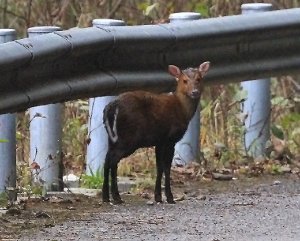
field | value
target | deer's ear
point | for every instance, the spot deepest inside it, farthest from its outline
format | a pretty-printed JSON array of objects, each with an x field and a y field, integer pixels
[
  {"x": 174, "y": 71},
  {"x": 203, "y": 68}
]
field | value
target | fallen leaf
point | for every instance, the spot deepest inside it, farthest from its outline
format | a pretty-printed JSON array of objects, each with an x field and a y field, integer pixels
[
  {"x": 150, "y": 203},
  {"x": 35, "y": 166},
  {"x": 221, "y": 176},
  {"x": 41, "y": 214},
  {"x": 13, "y": 211},
  {"x": 181, "y": 198}
]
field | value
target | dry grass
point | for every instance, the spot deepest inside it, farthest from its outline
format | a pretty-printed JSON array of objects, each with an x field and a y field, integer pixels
[{"x": 139, "y": 164}]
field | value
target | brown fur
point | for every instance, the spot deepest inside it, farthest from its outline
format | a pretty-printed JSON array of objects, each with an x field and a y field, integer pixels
[{"x": 144, "y": 119}]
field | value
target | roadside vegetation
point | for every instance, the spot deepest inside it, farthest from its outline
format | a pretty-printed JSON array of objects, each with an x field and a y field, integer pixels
[{"x": 222, "y": 147}]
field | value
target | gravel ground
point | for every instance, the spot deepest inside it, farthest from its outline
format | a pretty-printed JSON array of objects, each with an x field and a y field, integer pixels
[{"x": 264, "y": 211}]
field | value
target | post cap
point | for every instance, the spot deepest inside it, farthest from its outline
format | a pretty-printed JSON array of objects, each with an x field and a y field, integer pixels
[
  {"x": 183, "y": 16},
  {"x": 7, "y": 31},
  {"x": 107, "y": 22},
  {"x": 43, "y": 29},
  {"x": 256, "y": 7}
]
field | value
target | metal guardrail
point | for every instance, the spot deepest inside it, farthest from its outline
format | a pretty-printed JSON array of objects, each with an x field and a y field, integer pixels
[{"x": 88, "y": 62}]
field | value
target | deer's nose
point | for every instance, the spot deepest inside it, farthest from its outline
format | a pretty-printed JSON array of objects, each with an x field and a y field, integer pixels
[{"x": 195, "y": 93}]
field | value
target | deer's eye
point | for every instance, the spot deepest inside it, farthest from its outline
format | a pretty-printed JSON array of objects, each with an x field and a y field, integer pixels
[{"x": 185, "y": 81}]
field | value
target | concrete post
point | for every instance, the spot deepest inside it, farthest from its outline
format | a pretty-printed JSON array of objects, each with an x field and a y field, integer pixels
[
  {"x": 257, "y": 105},
  {"x": 97, "y": 147},
  {"x": 46, "y": 134},
  {"x": 7, "y": 135},
  {"x": 187, "y": 149}
]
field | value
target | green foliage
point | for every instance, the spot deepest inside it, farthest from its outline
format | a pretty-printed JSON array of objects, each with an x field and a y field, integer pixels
[
  {"x": 277, "y": 132},
  {"x": 221, "y": 130},
  {"x": 94, "y": 181},
  {"x": 145, "y": 183},
  {"x": 26, "y": 183},
  {"x": 151, "y": 11},
  {"x": 240, "y": 95},
  {"x": 33, "y": 189},
  {"x": 226, "y": 157},
  {"x": 3, "y": 199},
  {"x": 275, "y": 169},
  {"x": 291, "y": 124},
  {"x": 202, "y": 8},
  {"x": 285, "y": 113},
  {"x": 280, "y": 101},
  {"x": 37, "y": 190},
  {"x": 142, "y": 5},
  {"x": 140, "y": 164},
  {"x": 291, "y": 118},
  {"x": 75, "y": 132}
]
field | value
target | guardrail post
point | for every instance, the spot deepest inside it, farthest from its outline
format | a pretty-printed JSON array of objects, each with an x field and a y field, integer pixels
[
  {"x": 46, "y": 134},
  {"x": 7, "y": 135},
  {"x": 257, "y": 106},
  {"x": 97, "y": 145},
  {"x": 187, "y": 149}
]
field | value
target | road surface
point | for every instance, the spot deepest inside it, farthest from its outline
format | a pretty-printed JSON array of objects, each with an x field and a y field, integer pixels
[{"x": 263, "y": 211}]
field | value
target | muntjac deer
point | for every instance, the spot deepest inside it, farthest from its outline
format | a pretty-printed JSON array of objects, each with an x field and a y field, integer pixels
[{"x": 142, "y": 119}]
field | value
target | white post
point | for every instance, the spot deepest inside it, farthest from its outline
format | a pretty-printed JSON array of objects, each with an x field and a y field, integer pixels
[
  {"x": 46, "y": 134},
  {"x": 98, "y": 142},
  {"x": 257, "y": 106},
  {"x": 187, "y": 149},
  {"x": 7, "y": 135}
]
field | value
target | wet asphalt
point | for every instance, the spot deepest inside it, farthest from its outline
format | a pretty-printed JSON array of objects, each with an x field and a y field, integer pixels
[{"x": 257, "y": 211}]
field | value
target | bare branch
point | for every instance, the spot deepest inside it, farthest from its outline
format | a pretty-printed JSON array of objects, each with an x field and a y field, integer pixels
[
  {"x": 13, "y": 14},
  {"x": 58, "y": 14},
  {"x": 28, "y": 18},
  {"x": 115, "y": 9}
]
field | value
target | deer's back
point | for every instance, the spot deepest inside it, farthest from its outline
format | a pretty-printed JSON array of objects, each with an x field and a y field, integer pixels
[{"x": 146, "y": 119}]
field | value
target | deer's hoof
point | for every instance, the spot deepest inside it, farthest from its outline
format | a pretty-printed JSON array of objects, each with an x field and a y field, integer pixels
[
  {"x": 171, "y": 201},
  {"x": 158, "y": 198},
  {"x": 118, "y": 201},
  {"x": 105, "y": 200}
]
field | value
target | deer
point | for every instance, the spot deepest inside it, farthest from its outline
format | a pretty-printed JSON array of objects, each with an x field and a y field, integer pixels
[{"x": 139, "y": 119}]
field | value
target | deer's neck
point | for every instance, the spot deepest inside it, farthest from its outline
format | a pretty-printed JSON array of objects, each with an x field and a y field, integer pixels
[{"x": 188, "y": 104}]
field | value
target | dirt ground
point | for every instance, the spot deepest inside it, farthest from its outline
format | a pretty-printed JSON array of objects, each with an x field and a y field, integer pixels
[{"x": 250, "y": 209}]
